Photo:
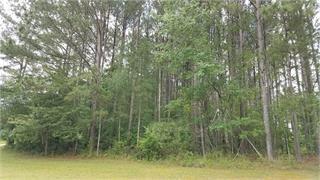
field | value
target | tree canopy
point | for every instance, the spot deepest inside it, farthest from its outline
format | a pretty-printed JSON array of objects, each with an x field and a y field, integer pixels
[{"x": 162, "y": 77}]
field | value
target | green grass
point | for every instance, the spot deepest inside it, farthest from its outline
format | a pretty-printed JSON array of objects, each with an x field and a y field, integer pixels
[{"x": 15, "y": 165}]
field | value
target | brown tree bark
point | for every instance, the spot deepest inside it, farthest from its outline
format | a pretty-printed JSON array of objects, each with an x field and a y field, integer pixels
[
  {"x": 131, "y": 108},
  {"x": 114, "y": 42},
  {"x": 294, "y": 122},
  {"x": 100, "y": 20},
  {"x": 263, "y": 81},
  {"x": 159, "y": 95},
  {"x": 99, "y": 135},
  {"x": 139, "y": 121}
]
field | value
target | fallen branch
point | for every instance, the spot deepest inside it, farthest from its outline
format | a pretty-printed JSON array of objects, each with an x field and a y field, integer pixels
[{"x": 259, "y": 154}]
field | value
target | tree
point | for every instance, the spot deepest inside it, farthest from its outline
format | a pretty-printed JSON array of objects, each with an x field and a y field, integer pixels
[
  {"x": 96, "y": 75},
  {"x": 263, "y": 80}
]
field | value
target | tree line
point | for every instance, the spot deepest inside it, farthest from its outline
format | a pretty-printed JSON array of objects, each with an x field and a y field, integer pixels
[{"x": 162, "y": 77}]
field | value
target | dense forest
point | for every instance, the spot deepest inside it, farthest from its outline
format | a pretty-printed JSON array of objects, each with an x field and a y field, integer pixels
[{"x": 158, "y": 78}]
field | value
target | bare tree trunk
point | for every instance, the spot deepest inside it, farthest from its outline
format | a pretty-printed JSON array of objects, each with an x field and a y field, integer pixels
[
  {"x": 293, "y": 114},
  {"x": 168, "y": 91},
  {"x": 99, "y": 135},
  {"x": 46, "y": 143},
  {"x": 240, "y": 55},
  {"x": 202, "y": 139},
  {"x": 263, "y": 81},
  {"x": 286, "y": 137},
  {"x": 131, "y": 108},
  {"x": 123, "y": 36},
  {"x": 255, "y": 149},
  {"x": 100, "y": 30},
  {"x": 306, "y": 74},
  {"x": 296, "y": 137},
  {"x": 297, "y": 74},
  {"x": 139, "y": 122},
  {"x": 318, "y": 133},
  {"x": 93, "y": 124},
  {"x": 159, "y": 95},
  {"x": 75, "y": 147},
  {"x": 294, "y": 122},
  {"x": 119, "y": 130},
  {"x": 226, "y": 135},
  {"x": 114, "y": 42},
  {"x": 316, "y": 65}
]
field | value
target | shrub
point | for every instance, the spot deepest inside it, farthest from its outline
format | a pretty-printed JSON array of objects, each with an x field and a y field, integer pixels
[
  {"x": 119, "y": 148},
  {"x": 163, "y": 139}
]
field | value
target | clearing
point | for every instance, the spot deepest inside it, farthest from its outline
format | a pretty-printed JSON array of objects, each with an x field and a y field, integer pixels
[{"x": 20, "y": 166}]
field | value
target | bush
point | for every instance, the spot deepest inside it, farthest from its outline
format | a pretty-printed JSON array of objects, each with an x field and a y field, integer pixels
[
  {"x": 118, "y": 148},
  {"x": 163, "y": 139}
]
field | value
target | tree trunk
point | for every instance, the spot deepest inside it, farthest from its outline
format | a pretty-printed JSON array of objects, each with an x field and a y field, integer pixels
[
  {"x": 46, "y": 143},
  {"x": 131, "y": 108},
  {"x": 93, "y": 125},
  {"x": 119, "y": 130},
  {"x": 242, "y": 80},
  {"x": 139, "y": 122},
  {"x": 202, "y": 139},
  {"x": 99, "y": 135},
  {"x": 306, "y": 74},
  {"x": 318, "y": 134},
  {"x": 159, "y": 95},
  {"x": 296, "y": 137},
  {"x": 100, "y": 30},
  {"x": 75, "y": 147},
  {"x": 293, "y": 114},
  {"x": 263, "y": 81},
  {"x": 123, "y": 38},
  {"x": 225, "y": 132},
  {"x": 114, "y": 42},
  {"x": 296, "y": 67},
  {"x": 294, "y": 122},
  {"x": 286, "y": 139}
]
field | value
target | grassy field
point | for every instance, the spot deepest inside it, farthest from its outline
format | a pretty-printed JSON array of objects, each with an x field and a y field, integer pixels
[{"x": 19, "y": 166}]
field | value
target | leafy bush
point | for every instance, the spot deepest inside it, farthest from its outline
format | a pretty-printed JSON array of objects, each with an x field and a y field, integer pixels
[
  {"x": 119, "y": 148},
  {"x": 163, "y": 139}
]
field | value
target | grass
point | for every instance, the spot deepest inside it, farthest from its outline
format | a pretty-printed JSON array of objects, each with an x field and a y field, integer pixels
[{"x": 15, "y": 165}]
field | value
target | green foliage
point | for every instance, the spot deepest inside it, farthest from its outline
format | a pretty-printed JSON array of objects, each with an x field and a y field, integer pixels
[
  {"x": 162, "y": 140},
  {"x": 26, "y": 134},
  {"x": 250, "y": 126},
  {"x": 194, "y": 63},
  {"x": 119, "y": 148}
]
